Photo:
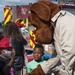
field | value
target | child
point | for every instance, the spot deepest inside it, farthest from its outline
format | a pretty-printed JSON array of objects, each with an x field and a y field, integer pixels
[
  {"x": 12, "y": 31},
  {"x": 38, "y": 52},
  {"x": 6, "y": 56}
]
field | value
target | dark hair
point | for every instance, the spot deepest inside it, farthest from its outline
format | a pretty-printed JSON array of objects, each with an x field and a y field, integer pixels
[
  {"x": 39, "y": 46},
  {"x": 11, "y": 30}
]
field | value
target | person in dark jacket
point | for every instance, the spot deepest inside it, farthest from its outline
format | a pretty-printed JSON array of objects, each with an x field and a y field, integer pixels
[{"x": 12, "y": 31}]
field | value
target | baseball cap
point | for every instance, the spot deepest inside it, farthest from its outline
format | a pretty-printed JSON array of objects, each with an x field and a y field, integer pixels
[{"x": 5, "y": 43}]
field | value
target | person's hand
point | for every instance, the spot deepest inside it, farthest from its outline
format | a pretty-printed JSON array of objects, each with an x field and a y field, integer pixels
[
  {"x": 24, "y": 36},
  {"x": 13, "y": 53}
]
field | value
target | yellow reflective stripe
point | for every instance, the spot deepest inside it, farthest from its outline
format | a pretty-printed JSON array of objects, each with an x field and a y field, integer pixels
[
  {"x": 31, "y": 32},
  {"x": 22, "y": 22},
  {"x": 7, "y": 15},
  {"x": 34, "y": 37},
  {"x": 32, "y": 44},
  {"x": 8, "y": 18},
  {"x": 6, "y": 12}
]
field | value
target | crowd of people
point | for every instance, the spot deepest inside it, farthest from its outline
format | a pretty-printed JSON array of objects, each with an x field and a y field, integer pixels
[
  {"x": 14, "y": 37},
  {"x": 12, "y": 53}
]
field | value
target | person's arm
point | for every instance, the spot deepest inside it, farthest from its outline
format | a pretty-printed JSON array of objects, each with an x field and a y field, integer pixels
[
  {"x": 25, "y": 58},
  {"x": 8, "y": 67},
  {"x": 24, "y": 36},
  {"x": 67, "y": 41},
  {"x": 24, "y": 41}
]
